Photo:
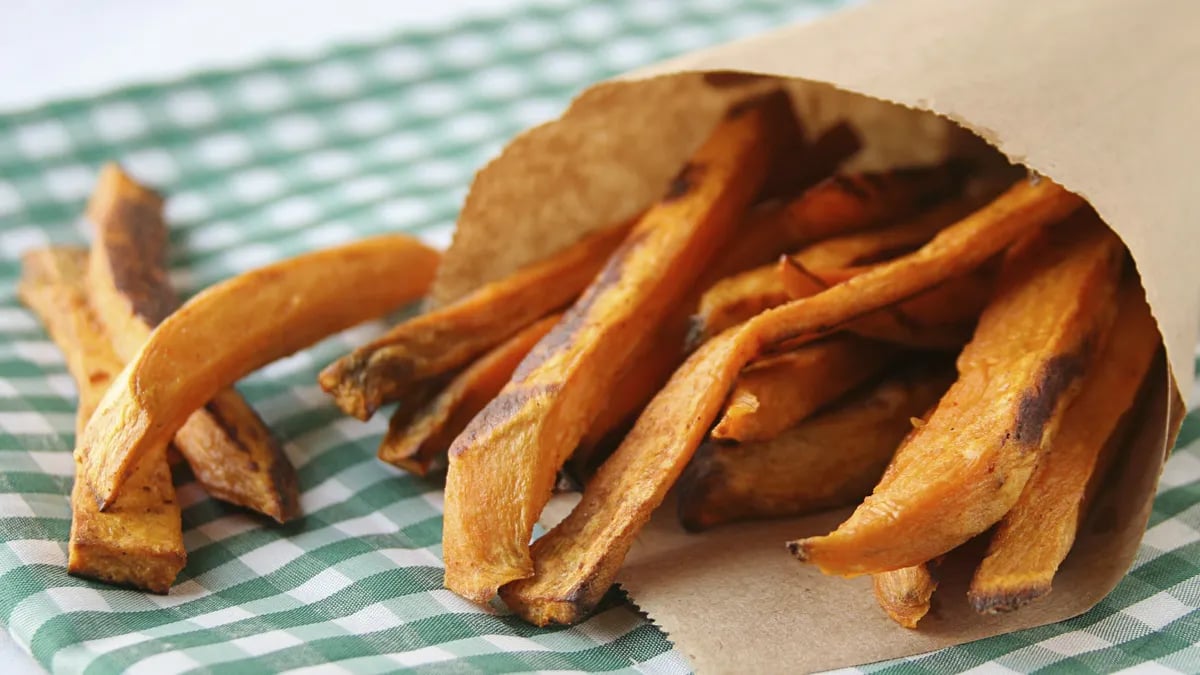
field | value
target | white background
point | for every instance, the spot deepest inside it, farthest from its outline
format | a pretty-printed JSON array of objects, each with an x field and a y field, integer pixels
[{"x": 52, "y": 49}]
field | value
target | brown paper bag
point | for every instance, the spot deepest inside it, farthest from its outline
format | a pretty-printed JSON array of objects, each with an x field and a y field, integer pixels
[{"x": 1101, "y": 95}]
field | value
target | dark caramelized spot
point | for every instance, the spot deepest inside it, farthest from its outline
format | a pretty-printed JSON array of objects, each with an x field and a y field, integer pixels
[
  {"x": 684, "y": 181},
  {"x": 1039, "y": 403},
  {"x": 850, "y": 186},
  {"x": 497, "y": 413},
  {"x": 563, "y": 334},
  {"x": 135, "y": 245}
]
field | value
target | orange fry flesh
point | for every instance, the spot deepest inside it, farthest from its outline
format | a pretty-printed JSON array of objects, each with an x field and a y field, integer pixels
[
  {"x": 830, "y": 460},
  {"x": 139, "y": 542},
  {"x": 449, "y": 337},
  {"x": 776, "y": 393},
  {"x": 961, "y": 471},
  {"x": 244, "y": 323},
  {"x": 576, "y": 562},
  {"x": 418, "y": 443},
  {"x": 905, "y": 594},
  {"x": 940, "y": 318},
  {"x": 228, "y": 447},
  {"x": 1035, "y": 536},
  {"x": 850, "y": 202},
  {"x": 881, "y": 243},
  {"x": 833, "y": 207},
  {"x": 737, "y": 298},
  {"x": 503, "y": 466}
]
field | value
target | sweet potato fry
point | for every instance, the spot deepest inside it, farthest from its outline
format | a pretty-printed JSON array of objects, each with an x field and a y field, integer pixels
[
  {"x": 776, "y": 393},
  {"x": 836, "y": 206},
  {"x": 576, "y": 562},
  {"x": 418, "y": 442},
  {"x": 242, "y": 324},
  {"x": 635, "y": 387},
  {"x": 757, "y": 241},
  {"x": 851, "y": 202},
  {"x": 737, "y": 298},
  {"x": 502, "y": 466},
  {"x": 830, "y": 460},
  {"x": 448, "y": 338},
  {"x": 941, "y": 318},
  {"x": 889, "y": 241},
  {"x": 1035, "y": 536},
  {"x": 139, "y": 542},
  {"x": 228, "y": 447},
  {"x": 959, "y": 473},
  {"x": 905, "y": 594}
]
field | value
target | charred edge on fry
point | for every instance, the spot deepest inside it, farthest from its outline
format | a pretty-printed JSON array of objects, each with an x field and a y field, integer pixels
[
  {"x": 138, "y": 271},
  {"x": 498, "y": 412},
  {"x": 1039, "y": 403},
  {"x": 683, "y": 182},
  {"x": 1007, "y": 600},
  {"x": 231, "y": 430},
  {"x": 563, "y": 333},
  {"x": 850, "y": 185}
]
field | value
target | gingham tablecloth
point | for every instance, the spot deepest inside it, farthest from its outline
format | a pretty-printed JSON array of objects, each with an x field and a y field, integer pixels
[{"x": 288, "y": 156}]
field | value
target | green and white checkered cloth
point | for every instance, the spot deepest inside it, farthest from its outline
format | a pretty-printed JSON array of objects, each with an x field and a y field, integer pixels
[{"x": 288, "y": 156}]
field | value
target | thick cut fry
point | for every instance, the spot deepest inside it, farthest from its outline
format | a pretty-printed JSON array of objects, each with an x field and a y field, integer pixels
[
  {"x": 830, "y": 460},
  {"x": 648, "y": 372},
  {"x": 735, "y": 299},
  {"x": 450, "y": 337},
  {"x": 851, "y": 202},
  {"x": 576, "y": 562},
  {"x": 965, "y": 468},
  {"x": 235, "y": 327},
  {"x": 905, "y": 594},
  {"x": 502, "y": 467},
  {"x": 776, "y": 393},
  {"x": 418, "y": 442},
  {"x": 1035, "y": 536},
  {"x": 887, "y": 242},
  {"x": 228, "y": 447},
  {"x": 836, "y": 206},
  {"x": 941, "y": 318},
  {"x": 138, "y": 543}
]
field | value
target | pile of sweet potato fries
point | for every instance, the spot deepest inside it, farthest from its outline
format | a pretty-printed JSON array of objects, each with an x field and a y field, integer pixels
[
  {"x": 953, "y": 349},
  {"x": 821, "y": 318}
]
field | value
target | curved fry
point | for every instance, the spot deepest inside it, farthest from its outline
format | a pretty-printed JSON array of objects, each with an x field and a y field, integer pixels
[{"x": 235, "y": 327}]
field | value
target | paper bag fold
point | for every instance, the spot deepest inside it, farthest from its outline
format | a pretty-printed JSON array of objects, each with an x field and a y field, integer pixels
[{"x": 1100, "y": 95}]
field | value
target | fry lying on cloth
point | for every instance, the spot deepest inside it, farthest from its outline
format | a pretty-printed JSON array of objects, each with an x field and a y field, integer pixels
[
  {"x": 228, "y": 447},
  {"x": 450, "y": 337},
  {"x": 502, "y": 467},
  {"x": 1035, "y": 536},
  {"x": 243, "y": 323},
  {"x": 417, "y": 441},
  {"x": 836, "y": 206},
  {"x": 139, "y": 541},
  {"x": 830, "y": 460},
  {"x": 776, "y": 393},
  {"x": 576, "y": 562},
  {"x": 960, "y": 472}
]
